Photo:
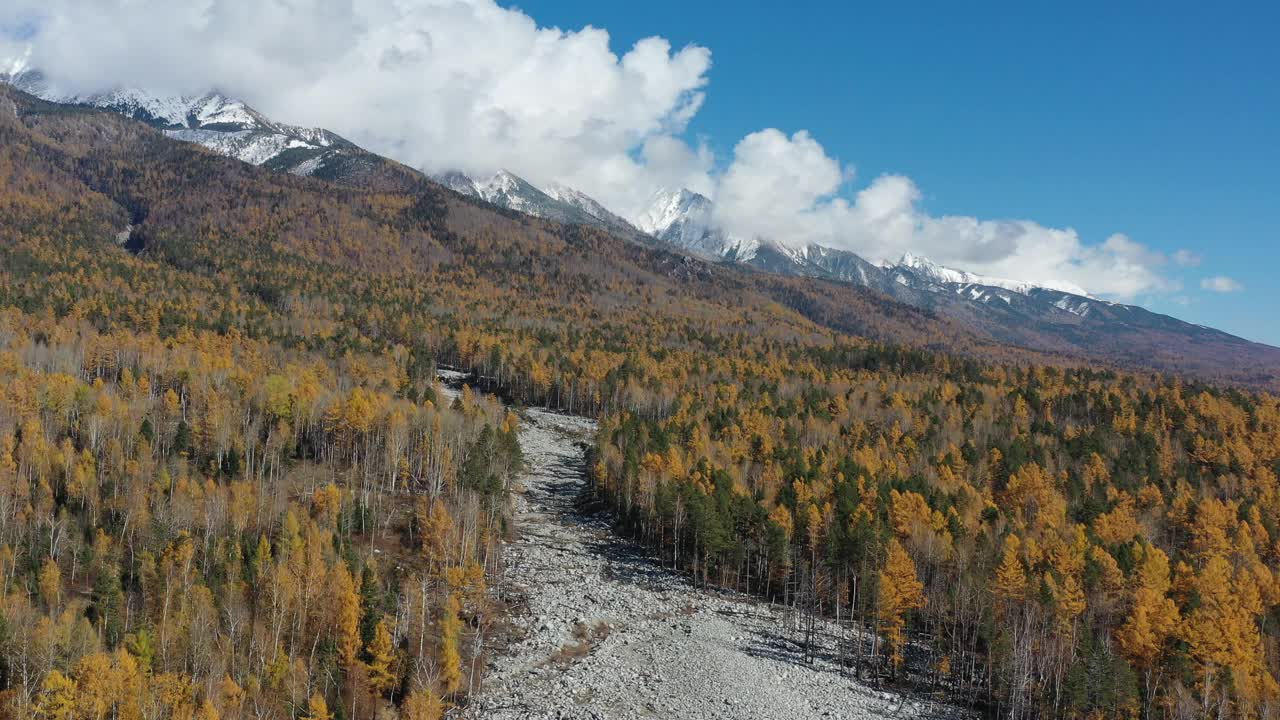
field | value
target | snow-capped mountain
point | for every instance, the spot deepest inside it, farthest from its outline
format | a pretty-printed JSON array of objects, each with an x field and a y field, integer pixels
[
  {"x": 923, "y": 267},
  {"x": 683, "y": 218},
  {"x": 459, "y": 183},
  {"x": 585, "y": 203},
  {"x": 1012, "y": 311},
  {"x": 503, "y": 189},
  {"x": 831, "y": 287},
  {"x": 1012, "y": 308},
  {"x": 224, "y": 125},
  {"x": 680, "y": 217},
  {"x": 556, "y": 202},
  {"x": 230, "y": 127}
]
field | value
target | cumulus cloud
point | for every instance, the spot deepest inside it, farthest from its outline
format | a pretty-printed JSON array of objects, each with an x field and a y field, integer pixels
[
  {"x": 772, "y": 180},
  {"x": 1221, "y": 284},
  {"x": 472, "y": 85},
  {"x": 788, "y": 188},
  {"x": 438, "y": 84}
]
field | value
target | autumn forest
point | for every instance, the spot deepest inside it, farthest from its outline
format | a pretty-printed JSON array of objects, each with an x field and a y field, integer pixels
[{"x": 232, "y": 485}]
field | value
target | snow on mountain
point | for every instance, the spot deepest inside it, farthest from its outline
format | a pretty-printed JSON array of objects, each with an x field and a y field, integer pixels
[
  {"x": 683, "y": 218},
  {"x": 458, "y": 183},
  {"x": 156, "y": 110},
  {"x": 224, "y": 125},
  {"x": 29, "y": 81},
  {"x": 583, "y": 202},
  {"x": 508, "y": 190},
  {"x": 214, "y": 109},
  {"x": 245, "y": 145},
  {"x": 931, "y": 271},
  {"x": 554, "y": 202},
  {"x": 516, "y": 193},
  {"x": 503, "y": 189},
  {"x": 680, "y": 218},
  {"x": 1074, "y": 306},
  {"x": 680, "y": 209}
]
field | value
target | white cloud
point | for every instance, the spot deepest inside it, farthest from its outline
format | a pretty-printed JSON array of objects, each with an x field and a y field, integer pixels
[
  {"x": 1221, "y": 284},
  {"x": 1186, "y": 258},
  {"x": 468, "y": 84},
  {"x": 789, "y": 189},
  {"x": 774, "y": 177},
  {"x": 438, "y": 84}
]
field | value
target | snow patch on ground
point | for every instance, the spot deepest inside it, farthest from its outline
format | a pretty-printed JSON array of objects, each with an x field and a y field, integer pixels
[
  {"x": 307, "y": 168},
  {"x": 251, "y": 146}
]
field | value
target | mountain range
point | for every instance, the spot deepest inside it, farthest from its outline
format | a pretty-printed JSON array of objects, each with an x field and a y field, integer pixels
[{"x": 1060, "y": 320}]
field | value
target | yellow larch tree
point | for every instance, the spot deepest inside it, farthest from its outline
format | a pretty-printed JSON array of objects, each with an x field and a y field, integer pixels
[
  {"x": 421, "y": 705},
  {"x": 346, "y": 615},
  {"x": 318, "y": 709},
  {"x": 450, "y": 641},
  {"x": 899, "y": 591},
  {"x": 1222, "y": 634},
  {"x": 382, "y": 677},
  {"x": 57, "y": 699},
  {"x": 1010, "y": 583}
]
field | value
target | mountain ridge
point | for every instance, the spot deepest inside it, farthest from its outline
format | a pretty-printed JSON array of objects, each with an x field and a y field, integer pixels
[
  {"x": 1017, "y": 311},
  {"x": 555, "y": 202},
  {"x": 1035, "y": 318},
  {"x": 224, "y": 125}
]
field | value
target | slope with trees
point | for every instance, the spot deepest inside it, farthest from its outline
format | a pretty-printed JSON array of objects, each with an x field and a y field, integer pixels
[{"x": 218, "y": 388}]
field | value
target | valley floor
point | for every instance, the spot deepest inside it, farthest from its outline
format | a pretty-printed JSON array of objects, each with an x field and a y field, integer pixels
[{"x": 604, "y": 631}]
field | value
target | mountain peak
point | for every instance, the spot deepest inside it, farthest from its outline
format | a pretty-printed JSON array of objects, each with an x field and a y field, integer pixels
[
  {"x": 555, "y": 201},
  {"x": 684, "y": 218},
  {"x": 911, "y": 260},
  {"x": 930, "y": 270},
  {"x": 504, "y": 182},
  {"x": 587, "y": 204},
  {"x": 458, "y": 182},
  {"x": 668, "y": 208}
]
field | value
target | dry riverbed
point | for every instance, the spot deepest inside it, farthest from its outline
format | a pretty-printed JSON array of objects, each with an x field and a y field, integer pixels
[{"x": 603, "y": 631}]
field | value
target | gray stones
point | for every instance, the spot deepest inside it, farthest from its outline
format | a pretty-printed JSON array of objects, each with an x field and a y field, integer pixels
[{"x": 611, "y": 634}]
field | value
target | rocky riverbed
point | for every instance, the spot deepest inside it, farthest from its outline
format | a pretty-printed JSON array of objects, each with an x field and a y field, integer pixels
[{"x": 603, "y": 631}]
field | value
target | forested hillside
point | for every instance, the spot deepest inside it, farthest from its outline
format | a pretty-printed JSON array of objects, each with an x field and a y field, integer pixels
[
  {"x": 217, "y": 411},
  {"x": 1059, "y": 543},
  {"x": 204, "y": 512}
]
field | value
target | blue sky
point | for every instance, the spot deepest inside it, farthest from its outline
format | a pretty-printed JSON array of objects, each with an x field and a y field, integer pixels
[{"x": 1159, "y": 121}]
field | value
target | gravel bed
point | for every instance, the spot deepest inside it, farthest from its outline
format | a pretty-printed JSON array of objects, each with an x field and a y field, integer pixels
[{"x": 604, "y": 631}]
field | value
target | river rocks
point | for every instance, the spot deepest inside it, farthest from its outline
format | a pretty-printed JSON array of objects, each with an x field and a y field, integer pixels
[{"x": 611, "y": 634}]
